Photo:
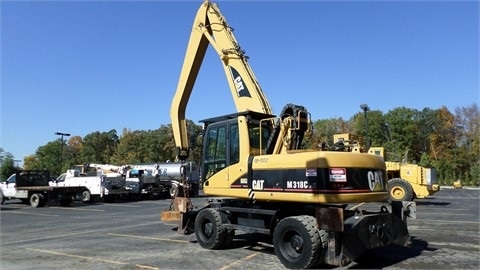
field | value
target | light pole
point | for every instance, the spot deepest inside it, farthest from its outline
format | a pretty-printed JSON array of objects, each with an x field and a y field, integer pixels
[
  {"x": 61, "y": 147},
  {"x": 365, "y": 109},
  {"x": 16, "y": 162}
]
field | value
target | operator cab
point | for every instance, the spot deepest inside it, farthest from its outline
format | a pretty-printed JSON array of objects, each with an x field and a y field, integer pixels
[{"x": 222, "y": 139}]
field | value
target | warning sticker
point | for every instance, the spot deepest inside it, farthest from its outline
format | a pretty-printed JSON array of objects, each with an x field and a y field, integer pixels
[
  {"x": 311, "y": 172},
  {"x": 338, "y": 175}
]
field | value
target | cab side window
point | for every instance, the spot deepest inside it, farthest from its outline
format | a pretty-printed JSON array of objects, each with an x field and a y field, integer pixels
[
  {"x": 234, "y": 144},
  {"x": 215, "y": 150}
]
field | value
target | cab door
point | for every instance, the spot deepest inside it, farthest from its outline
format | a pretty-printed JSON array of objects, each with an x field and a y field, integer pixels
[{"x": 9, "y": 187}]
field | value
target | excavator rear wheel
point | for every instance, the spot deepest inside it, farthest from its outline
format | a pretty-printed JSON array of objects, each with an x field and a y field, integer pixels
[
  {"x": 298, "y": 243},
  {"x": 400, "y": 190},
  {"x": 209, "y": 230}
]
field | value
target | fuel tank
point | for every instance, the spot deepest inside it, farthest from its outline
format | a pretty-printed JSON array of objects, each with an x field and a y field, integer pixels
[{"x": 171, "y": 170}]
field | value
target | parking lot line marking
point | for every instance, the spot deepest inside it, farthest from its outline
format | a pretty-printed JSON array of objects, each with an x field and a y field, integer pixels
[
  {"x": 246, "y": 258},
  {"x": 76, "y": 256},
  {"x": 147, "y": 237},
  {"x": 82, "y": 209},
  {"x": 26, "y": 213},
  {"x": 356, "y": 206},
  {"x": 153, "y": 201},
  {"x": 147, "y": 267},
  {"x": 123, "y": 205},
  {"x": 52, "y": 237},
  {"x": 454, "y": 244},
  {"x": 438, "y": 221}
]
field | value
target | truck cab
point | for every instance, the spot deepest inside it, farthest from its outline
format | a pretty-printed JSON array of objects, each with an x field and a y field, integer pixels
[{"x": 9, "y": 187}]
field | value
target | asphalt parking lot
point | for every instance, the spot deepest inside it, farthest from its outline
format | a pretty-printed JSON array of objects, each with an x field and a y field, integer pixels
[{"x": 130, "y": 235}]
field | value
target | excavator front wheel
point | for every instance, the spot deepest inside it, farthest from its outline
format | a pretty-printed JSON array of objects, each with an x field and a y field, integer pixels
[
  {"x": 209, "y": 230},
  {"x": 400, "y": 190}
]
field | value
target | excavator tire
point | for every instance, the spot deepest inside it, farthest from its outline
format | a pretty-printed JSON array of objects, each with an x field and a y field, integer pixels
[
  {"x": 209, "y": 230},
  {"x": 400, "y": 190},
  {"x": 297, "y": 242}
]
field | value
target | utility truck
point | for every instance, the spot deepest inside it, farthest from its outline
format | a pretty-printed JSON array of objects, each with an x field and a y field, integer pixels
[
  {"x": 143, "y": 183},
  {"x": 31, "y": 186},
  {"x": 259, "y": 179},
  {"x": 147, "y": 180},
  {"x": 101, "y": 181}
]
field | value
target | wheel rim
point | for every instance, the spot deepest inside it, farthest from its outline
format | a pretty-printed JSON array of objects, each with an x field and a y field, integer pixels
[
  {"x": 35, "y": 200},
  {"x": 292, "y": 244},
  {"x": 86, "y": 196},
  {"x": 207, "y": 229},
  {"x": 173, "y": 191},
  {"x": 397, "y": 193}
]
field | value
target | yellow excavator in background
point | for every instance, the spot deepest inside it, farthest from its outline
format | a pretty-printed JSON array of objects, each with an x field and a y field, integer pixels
[
  {"x": 260, "y": 180},
  {"x": 406, "y": 181}
]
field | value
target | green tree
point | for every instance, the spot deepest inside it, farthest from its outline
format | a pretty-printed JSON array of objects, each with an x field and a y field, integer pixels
[
  {"x": 402, "y": 131},
  {"x": 442, "y": 146},
  {"x": 324, "y": 129},
  {"x": 4, "y": 155},
  {"x": 7, "y": 166},
  {"x": 72, "y": 152},
  {"x": 467, "y": 142},
  {"x": 377, "y": 127},
  {"x": 30, "y": 162},
  {"x": 99, "y": 147},
  {"x": 194, "y": 131},
  {"x": 47, "y": 157}
]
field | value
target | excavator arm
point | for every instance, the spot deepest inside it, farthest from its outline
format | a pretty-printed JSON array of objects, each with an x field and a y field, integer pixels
[{"x": 210, "y": 27}]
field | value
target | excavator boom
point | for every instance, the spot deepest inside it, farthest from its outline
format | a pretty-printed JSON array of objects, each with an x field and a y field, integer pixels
[{"x": 211, "y": 28}]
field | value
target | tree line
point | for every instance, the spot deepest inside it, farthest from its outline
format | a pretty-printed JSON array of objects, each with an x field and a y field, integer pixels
[{"x": 448, "y": 141}]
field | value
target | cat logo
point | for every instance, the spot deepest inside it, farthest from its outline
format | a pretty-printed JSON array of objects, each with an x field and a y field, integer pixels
[
  {"x": 242, "y": 90},
  {"x": 257, "y": 184},
  {"x": 375, "y": 180}
]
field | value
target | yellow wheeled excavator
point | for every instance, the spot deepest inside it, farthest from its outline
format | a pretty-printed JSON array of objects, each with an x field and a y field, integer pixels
[{"x": 260, "y": 180}]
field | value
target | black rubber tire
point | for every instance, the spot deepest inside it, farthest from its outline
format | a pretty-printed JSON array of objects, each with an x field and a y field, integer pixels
[
  {"x": 86, "y": 196},
  {"x": 209, "y": 230},
  {"x": 400, "y": 190},
  {"x": 298, "y": 243},
  {"x": 36, "y": 200}
]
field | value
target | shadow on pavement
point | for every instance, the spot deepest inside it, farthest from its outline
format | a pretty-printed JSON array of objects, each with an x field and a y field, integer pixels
[
  {"x": 388, "y": 256},
  {"x": 374, "y": 259}
]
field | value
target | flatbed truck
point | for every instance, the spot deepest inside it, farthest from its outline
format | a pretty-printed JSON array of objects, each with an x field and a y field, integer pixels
[{"x": 31, "y": 187}]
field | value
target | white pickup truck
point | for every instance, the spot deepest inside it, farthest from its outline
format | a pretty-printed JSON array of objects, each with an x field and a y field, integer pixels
[
  {"x": 108, "y": 186},
  {"x": 32, "y": 186}
]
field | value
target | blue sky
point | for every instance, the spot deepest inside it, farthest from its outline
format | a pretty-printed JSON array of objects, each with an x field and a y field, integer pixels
[{"x": 83, "y": 66}]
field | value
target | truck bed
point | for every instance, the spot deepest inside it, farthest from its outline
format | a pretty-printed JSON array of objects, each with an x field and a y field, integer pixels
[{"x": 51, "y": 188}]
